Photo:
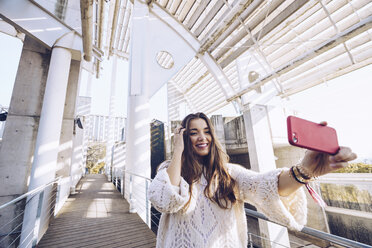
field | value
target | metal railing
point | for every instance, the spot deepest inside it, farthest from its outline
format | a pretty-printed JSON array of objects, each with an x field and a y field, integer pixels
[
  {"x": 12, "y": 230},
  {"x": 155, "y": 215},
  {"x": 136, "y": 195}
]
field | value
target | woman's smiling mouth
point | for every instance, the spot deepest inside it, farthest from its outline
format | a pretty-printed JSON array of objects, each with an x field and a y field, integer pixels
[{"x": 202, "y": 145}]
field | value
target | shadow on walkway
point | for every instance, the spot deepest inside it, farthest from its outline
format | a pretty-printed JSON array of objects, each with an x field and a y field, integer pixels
[{"x": 97, "y": 216}]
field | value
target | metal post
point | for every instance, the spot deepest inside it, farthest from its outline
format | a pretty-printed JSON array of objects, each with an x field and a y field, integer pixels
[
  {"x": 132, "y": 202},
  {"x": 250, "y": 241},
  {"x": 122, "y": 184},
  {"x": 148, "y": 221},
  {"x": 37, "y": 221}
]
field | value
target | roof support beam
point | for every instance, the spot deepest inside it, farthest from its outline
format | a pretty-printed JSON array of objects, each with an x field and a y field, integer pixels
[
  {"x": 349, "y": 33},
  {"x": 337, "y": 30},
  {"x": 219, "y": 75},
  {"x": 265, "y": 30},
  {"x": 114, "y": 25},
  {"x": 230, "y": 23},
  {"x": 86, "y": 9},
  {"x": 10, "y": 30}
]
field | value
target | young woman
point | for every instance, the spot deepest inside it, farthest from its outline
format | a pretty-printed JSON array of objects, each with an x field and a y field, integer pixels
[{"x": 201, "y": 195}]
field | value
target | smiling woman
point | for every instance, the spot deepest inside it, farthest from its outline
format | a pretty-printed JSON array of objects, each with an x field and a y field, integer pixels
[{"x": 198, "y": 188}]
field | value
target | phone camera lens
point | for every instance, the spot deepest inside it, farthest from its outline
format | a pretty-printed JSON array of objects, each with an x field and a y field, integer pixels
[{"x": 295, "y": 140}]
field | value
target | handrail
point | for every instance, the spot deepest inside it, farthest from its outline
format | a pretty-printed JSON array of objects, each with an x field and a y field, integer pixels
[
  {"x": 315, "y": 233},
  {"x": 307, "y": 230},
  {"x": 34, "y": 191},
  {"x": 134, "y": 174}
]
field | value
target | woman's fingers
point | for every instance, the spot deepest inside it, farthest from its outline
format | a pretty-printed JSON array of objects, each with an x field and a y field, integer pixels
[
  {"x": 344, "y": 154},
  {"x": 322, "y": 163},
  {"x": 179, "y": 130},
  {"x": 339, "y": 165}
]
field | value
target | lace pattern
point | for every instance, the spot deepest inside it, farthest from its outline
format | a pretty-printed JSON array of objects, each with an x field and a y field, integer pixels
[{"x": 205, "y": 224}]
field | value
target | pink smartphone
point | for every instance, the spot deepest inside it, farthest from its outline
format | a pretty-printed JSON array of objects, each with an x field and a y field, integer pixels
[{"x": 311, "y": 135}]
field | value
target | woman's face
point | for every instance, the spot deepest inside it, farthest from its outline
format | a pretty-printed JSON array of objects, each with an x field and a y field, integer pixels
[{"x": 200, "y": 136}]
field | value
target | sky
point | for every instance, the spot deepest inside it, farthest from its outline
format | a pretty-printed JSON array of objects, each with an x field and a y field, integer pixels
[{"x": 345, "y": 102}]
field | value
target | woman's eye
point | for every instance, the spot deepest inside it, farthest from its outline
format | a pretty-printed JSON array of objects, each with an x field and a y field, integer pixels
[{"x": 193, "y": 133}]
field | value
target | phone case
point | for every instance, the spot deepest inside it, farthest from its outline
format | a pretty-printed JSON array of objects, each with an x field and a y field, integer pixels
[{"x": 312, "y": 136}]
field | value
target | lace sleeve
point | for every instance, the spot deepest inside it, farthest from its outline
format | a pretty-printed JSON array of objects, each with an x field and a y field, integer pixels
[
  {"x": 261, "y": 190},
  {"x": 164, "y": 196}
]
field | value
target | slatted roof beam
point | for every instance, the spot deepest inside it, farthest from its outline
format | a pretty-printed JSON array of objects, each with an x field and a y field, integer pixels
[
  {"x": 338, "y": 39},
  {"x": 199, "y": 10},
  {"x": 337, "y": 30},
  {"x": 265, "y": 30},
  {"x": 229, "y": 24},
  {"x": 212, "y": 13}
]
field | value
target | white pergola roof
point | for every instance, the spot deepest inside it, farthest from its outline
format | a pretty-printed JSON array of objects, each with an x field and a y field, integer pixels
[
  {"x": 290, "y": 45},
  {"x": 260, "y": 48}
]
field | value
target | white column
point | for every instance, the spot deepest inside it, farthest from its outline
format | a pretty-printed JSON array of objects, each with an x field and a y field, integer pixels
[
  {"x": 111, "y": 119},
  {"x": 47, "y": 141},
  {"x": 262, "y": 159},
  {"x": 138, "y": 119}
]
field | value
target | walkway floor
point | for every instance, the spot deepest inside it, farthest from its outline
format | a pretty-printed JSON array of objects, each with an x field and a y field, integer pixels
[{"x": 97, "y": 216}]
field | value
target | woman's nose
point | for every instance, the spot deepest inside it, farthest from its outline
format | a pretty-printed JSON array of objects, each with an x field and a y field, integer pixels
[{"x": 201, "y": 137}]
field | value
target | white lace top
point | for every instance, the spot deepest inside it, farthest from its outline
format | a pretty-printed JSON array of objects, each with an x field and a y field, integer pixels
[{"x": 204, "y": 224}]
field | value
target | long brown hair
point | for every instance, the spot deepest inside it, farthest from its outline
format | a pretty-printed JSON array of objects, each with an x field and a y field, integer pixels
[{"x": 214, "y": 163}]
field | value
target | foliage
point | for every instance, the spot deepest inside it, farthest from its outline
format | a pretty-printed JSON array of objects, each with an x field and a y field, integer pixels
[
  {"x": 96, "y": 154},
  {"x": 356, "y": 168}
]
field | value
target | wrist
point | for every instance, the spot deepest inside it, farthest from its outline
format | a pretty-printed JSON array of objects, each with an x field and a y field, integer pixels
[
  {"x": 301, "y": 175},
  {"x": 178, "y": 151}
]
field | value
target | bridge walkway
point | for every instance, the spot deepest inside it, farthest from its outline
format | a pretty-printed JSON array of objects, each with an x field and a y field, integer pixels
[{"x": 97, "y": 216}]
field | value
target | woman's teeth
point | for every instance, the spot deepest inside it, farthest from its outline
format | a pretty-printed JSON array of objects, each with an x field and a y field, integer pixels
[{"x": 202, "y": 145}]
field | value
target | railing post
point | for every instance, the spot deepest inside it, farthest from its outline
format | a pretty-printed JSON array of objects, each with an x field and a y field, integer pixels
[
  {"x": 250, "y": 241},
  {"x": 148, "y": 221},
  {"x": 37, "y": 222},
  {"x": 132, "y": 202},
  {"x": 122, "y": 184}
]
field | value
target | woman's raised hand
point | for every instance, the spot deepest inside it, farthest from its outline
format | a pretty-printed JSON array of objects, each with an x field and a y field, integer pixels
[
  {"x": 318, "y": 164},
  {"x": 178, "y": 139}
]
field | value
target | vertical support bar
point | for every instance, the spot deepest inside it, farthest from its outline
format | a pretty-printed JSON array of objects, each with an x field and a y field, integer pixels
[
  {"x": 122, "y": 183},
  {"x": 132, "y": 201},
  {"x": 37, "y": 221},
  {"x": 250, "y": 241},
  {"x": 148, "y": 221}
]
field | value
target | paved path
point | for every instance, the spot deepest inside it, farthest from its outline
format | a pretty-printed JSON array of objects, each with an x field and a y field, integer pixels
[{"x": 97, "y": 216}]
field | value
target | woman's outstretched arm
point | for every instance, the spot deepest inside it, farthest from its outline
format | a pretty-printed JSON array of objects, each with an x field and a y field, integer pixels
[{"x": 316, "y": 164}]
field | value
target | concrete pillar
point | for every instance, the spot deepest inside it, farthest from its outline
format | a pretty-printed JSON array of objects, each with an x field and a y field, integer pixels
[
  {"x": 18, "y": 144},
  {"x": 68, "y": 134},
  {"x": 218, "y": 125},
  {"x": 138, "y": 119},
  {"x": 262, "y": 159},
  {"x": 47, "y": 141}
]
